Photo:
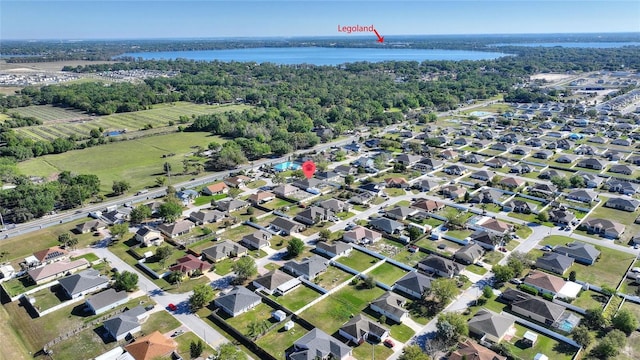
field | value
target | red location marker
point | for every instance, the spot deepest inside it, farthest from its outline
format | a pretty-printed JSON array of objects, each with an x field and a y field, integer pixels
[{"x": 308, "y": 168}]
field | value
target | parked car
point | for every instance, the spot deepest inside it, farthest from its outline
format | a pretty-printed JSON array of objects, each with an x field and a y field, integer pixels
[
  {"x": 516, "y": 281},
  {"x": 389, "y": 343},
  {"x": 172, "y": 307},
  {"x": 547, "y": 248}
]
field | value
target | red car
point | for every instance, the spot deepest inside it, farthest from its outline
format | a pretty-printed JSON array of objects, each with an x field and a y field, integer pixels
[
  {"x": 172, "y": 307},
  {"x": 389, "y": 343}
]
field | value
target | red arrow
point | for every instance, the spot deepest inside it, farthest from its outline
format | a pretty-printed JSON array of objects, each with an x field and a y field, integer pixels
[{"x": 380, "y": 38}]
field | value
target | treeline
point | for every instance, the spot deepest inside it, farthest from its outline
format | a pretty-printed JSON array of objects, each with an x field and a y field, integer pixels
[
  {"x": 20, "y": 148},
  {"x": 16, "y": 120},
  {"x": 28, "y": 201},
  {"x": 527, "y": 96}
]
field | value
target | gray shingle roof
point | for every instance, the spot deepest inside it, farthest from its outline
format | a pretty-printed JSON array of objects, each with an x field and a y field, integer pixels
[
  {"x": 318, "y": 344},
  {"x": 106, "y": 298},
  {"x": 359, "y": 326},
  {"x": 391, "y": 303},
  {"x": 578, "y": 250},
  {"x": 415, "y": 282},
  {"x": 82, "y": 281},
  {"x": 125, "y": 322},
  {"x": 309, "y": 267},
  {"x": 237, "y": 299},
  {"x": 488, "y": 322},
  {"x": 544, "y": 308}
]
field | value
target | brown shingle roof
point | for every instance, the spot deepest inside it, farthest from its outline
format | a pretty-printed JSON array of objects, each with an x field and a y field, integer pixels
[{"x": 152, "y": 346}]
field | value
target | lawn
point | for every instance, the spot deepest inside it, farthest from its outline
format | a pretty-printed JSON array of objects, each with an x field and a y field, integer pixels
[
  {"x": 19, "y": 285},
  {"x": 297, "y": 298},
  {"x": 367, "y": 350},
  {"x": 256, "y": 184},
  {"x": 223, "y": 267},
  {"x": 358, "y": 260},
  {"x": 278, "y": 340},
  {"x": 116, "y": 162},
  {"x": 394, "y": 192},
  {"x": 493, "y": 257},
  {"x": 90, "y": 257},
  {"x": 633, "y": 307},
  {"x": 158, "y": 267},
  {"x": 48, "y": 298},
  {"x": 524, "y": 232},
  {"x": 410, "y": 258},
  {"x": 357, "y": 296},
  {"x": 277, "y": 204},
  {"x": 236, "y": 234},
  {"x": 186, "y": 285},
  {"x": 387, "y": 247},
  {"x": 184, "y": 342},
  {"x": 206, "y": 199},
  {"x": 86, "y": 342},
  {"x": 545, "y": 345},
  {"x": 589, "y": 299},
  {"x": 387, "y": 273},
  {"x": 260, "y": 313},
  {"x": 479, "y": 270},
  {"x": 331, "y": 278},
  {"x": 459, "y": 234},
  {"x": 609, "y": 269},
  {"x": 345, "y": 215},
  {"x": 161, "y": 321},
  {"x": 13, "y": 347}
]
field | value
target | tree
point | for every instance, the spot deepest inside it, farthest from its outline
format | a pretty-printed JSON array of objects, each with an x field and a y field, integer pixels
[
  {"x": 576, "y": 181},
  {"x": 413, "y": 352},
  {"x": 369, "y": 282},
  {"x": 120, "y": 187},
  {"x": 414, "y": 233},
  {"x": 170, "y": 211},
  {"x": 594, "y": 318},
  {"x": 487, "y": 292},
  {"x": 582, "y": 335},
  {"x": 163, "y": 253},
  {"x": 245, "y": 268},
  {"x": 140, "y": 214},
  {"x": 572, "y": 275},
  {"x": 543, "y": 216},
  {"x": 443, "y": 290},
  {"x": 119, "y": 230},
  {"x": 348, "y": 180},
  {"x": 610, "y": 345},
  {"x": 625, "y": 321},
  {"x": 161, "y": 181},
  {"x": 228, "y": 351},
  {"x": 202, "y": 295},
  {"x": 451, "y": 326},
  {"x": 295, "y": 247},
  {"x": 502, "y": 273},
  {"x": 234, "y": 192},
  {"x": 166, "y": 167},
  {"x": 174, "y": 277},
  {"x": 126, "y": 281},
  {"x": 64, "y": 238},
  {"x": 561, "y": 182},
  {"x": 278, "y": 178},
  {"x": 196, "y": 348},
  {"x": 325, "y": 234}
]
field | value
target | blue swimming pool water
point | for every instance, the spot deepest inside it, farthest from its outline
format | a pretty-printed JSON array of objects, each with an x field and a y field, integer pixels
[
  {"x": 480, "y": 113},
  {"x": 565, "y": 326},
  {"x": 287, "y": 165}
]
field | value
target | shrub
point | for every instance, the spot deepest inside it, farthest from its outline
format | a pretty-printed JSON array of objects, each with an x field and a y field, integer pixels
[
  {"x": 547, "y": 296},
  {"x": 528, "y": 289}
]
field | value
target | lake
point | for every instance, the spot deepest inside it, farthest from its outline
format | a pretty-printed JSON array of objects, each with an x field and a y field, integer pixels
[
  {"x": 591, "y": 45},
  {"x": 318, "y": 55}
]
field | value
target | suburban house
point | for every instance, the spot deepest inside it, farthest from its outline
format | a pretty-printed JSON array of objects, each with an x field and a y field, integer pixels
[
  {"x": 448, "y": 154},
  {"x": 562, "y": 216},
  {"x": 621, "y": 169},
  {"x": 520, "y": 206},
  {"x": 455, "y": 170},
  {"x": 622, "y": 187},
  {"x": 176, "y": 229},
  {"x": 544, "y": 188},
  {"x": 554, "y": 262},
  {"x": 591, "y": 163},
  {"x": 215, "y": 189},
  {"x": 401, "y": 213},
  {"x": 630, "y": 205},
  {"x": 83, "y": 283},
  {"x": 413, "y": 284},
  {"x": 51, "y": 255},
  {"x": 486, "y": 239},
  {"x": 231, "y": 205},
  {"x": 276, "y": 282},
  {"x": 286, "y": 226},
  {"x": 512, "y": 183},
  {"x": 308, "y": 268},
  {"x": 150, "y": 347},
  {"x": 335, "y": 205},
  {"x": 56, "y": 270},
  {"x": 582, "y": 195},
  {"x": 590, "y": 180},
  {"x": 604, "y": 227},
  {"x": 427, "y": 164},
  {"x": 106, "y": 300},
  {"x": 581, "y": 252},
  {"x": 496, "y": 163},
  {"x": 147, "y": 236},
  {"x": 428, "y": 205},
  {"x": 469, "y": 254},
  {"x": 257, "y": 240},
  {"x": 313, "y": 215},
  {"x": 89, "y": 226},
  {"x": 491, "y": 327},
  {"x": 545, "y": 283},
  {"x": 360, "y": 328},
  {"x": 237, "y": 301},
  {"x": 126, "y": 323},
  {"x": 483, "y": 175},
  {"x": 453, "y": 191},
  {"x": 261, "y": 197},
  {"x": 386, "y": 225},
  {"x": 237, "y": 181},
  {"x": 189, "y": 265},
  {"x": 540, "y": 310},
  {"x": 316, "y": 344},
  {"x": 306, "y": 184},
  {"x": 328, "y": 176},
  {"x": 472, "y": 350},
  {"x": 543, "y": 154},
  {"x": 207, "y": 216},
  {"x": 334, "y": 249},
  {"x": 396, "y": 182},
  {"x": 187, "y": 196},
  {"x": 487, "y": 196},
  {"x": 440, "y": 266},
  {"x": 426, "y": 185},
  {"x": 223, "y": 250},
  {"x": 566, "y": 158},
  {"x": 285, "y": 190},
  {"x": 390, "y": 305},
  {"x": 361, "y": 235},
  {"x": 495, "y": 226}
]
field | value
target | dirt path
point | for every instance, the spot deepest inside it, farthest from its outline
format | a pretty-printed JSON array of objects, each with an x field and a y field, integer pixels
[{"x": 12, "y": 348}]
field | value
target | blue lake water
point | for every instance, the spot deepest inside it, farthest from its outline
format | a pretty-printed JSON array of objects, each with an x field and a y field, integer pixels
[
  {"x": 319, "y": 56},
  {"x": 592, "y": 45}
]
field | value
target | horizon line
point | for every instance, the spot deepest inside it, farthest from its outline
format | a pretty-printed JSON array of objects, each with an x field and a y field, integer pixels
[{"x": 288, "y": 37}]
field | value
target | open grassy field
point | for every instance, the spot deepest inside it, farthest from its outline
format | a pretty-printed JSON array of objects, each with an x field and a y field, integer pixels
[
  {"x": 609, "y": 269},
  {"x": 276, "y": 341},
  {"x": 545, "y": 345},
  {"x": 358, "y": 260},
  {"x": 12, "y": 346},
  {"x": 59, "y": 122},
  {"x": 184, "y": 342},
  {"x": 297, "y": 298},
  {"x": 260, "y": 313},
  {"x": 387, "y": 273},
  {"x": 137, "y": 161},
  {"x": 367, "y": 350},
  {"x": 331, "y": 278}
]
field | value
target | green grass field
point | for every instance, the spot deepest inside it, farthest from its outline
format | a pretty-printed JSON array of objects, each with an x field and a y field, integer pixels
[
  {"x": 358, "y": 260},
  {"x": 276, "y": 341},
  {"x": 184, "y": 343},
  {"x": 59, "y": 122},
  {"x": 297, "y": 298},
  {"x": 137, "y": 161},
  {"x": 387, "y": 273}
]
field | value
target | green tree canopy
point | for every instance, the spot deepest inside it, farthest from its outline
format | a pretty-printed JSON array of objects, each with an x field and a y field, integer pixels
[
  {"x": 245, "y": 268},
  {"x": 126, "y": 281},
  {"x": 202, "y": 295}
]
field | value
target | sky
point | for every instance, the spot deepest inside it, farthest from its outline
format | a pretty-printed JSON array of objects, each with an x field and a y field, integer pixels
[{"x": 119, "y": 19}]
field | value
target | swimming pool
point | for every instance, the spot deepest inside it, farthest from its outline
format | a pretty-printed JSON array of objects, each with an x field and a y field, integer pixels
[
  {"x": 480, "y": 113},
  {"x": 287, "y": 165}
]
